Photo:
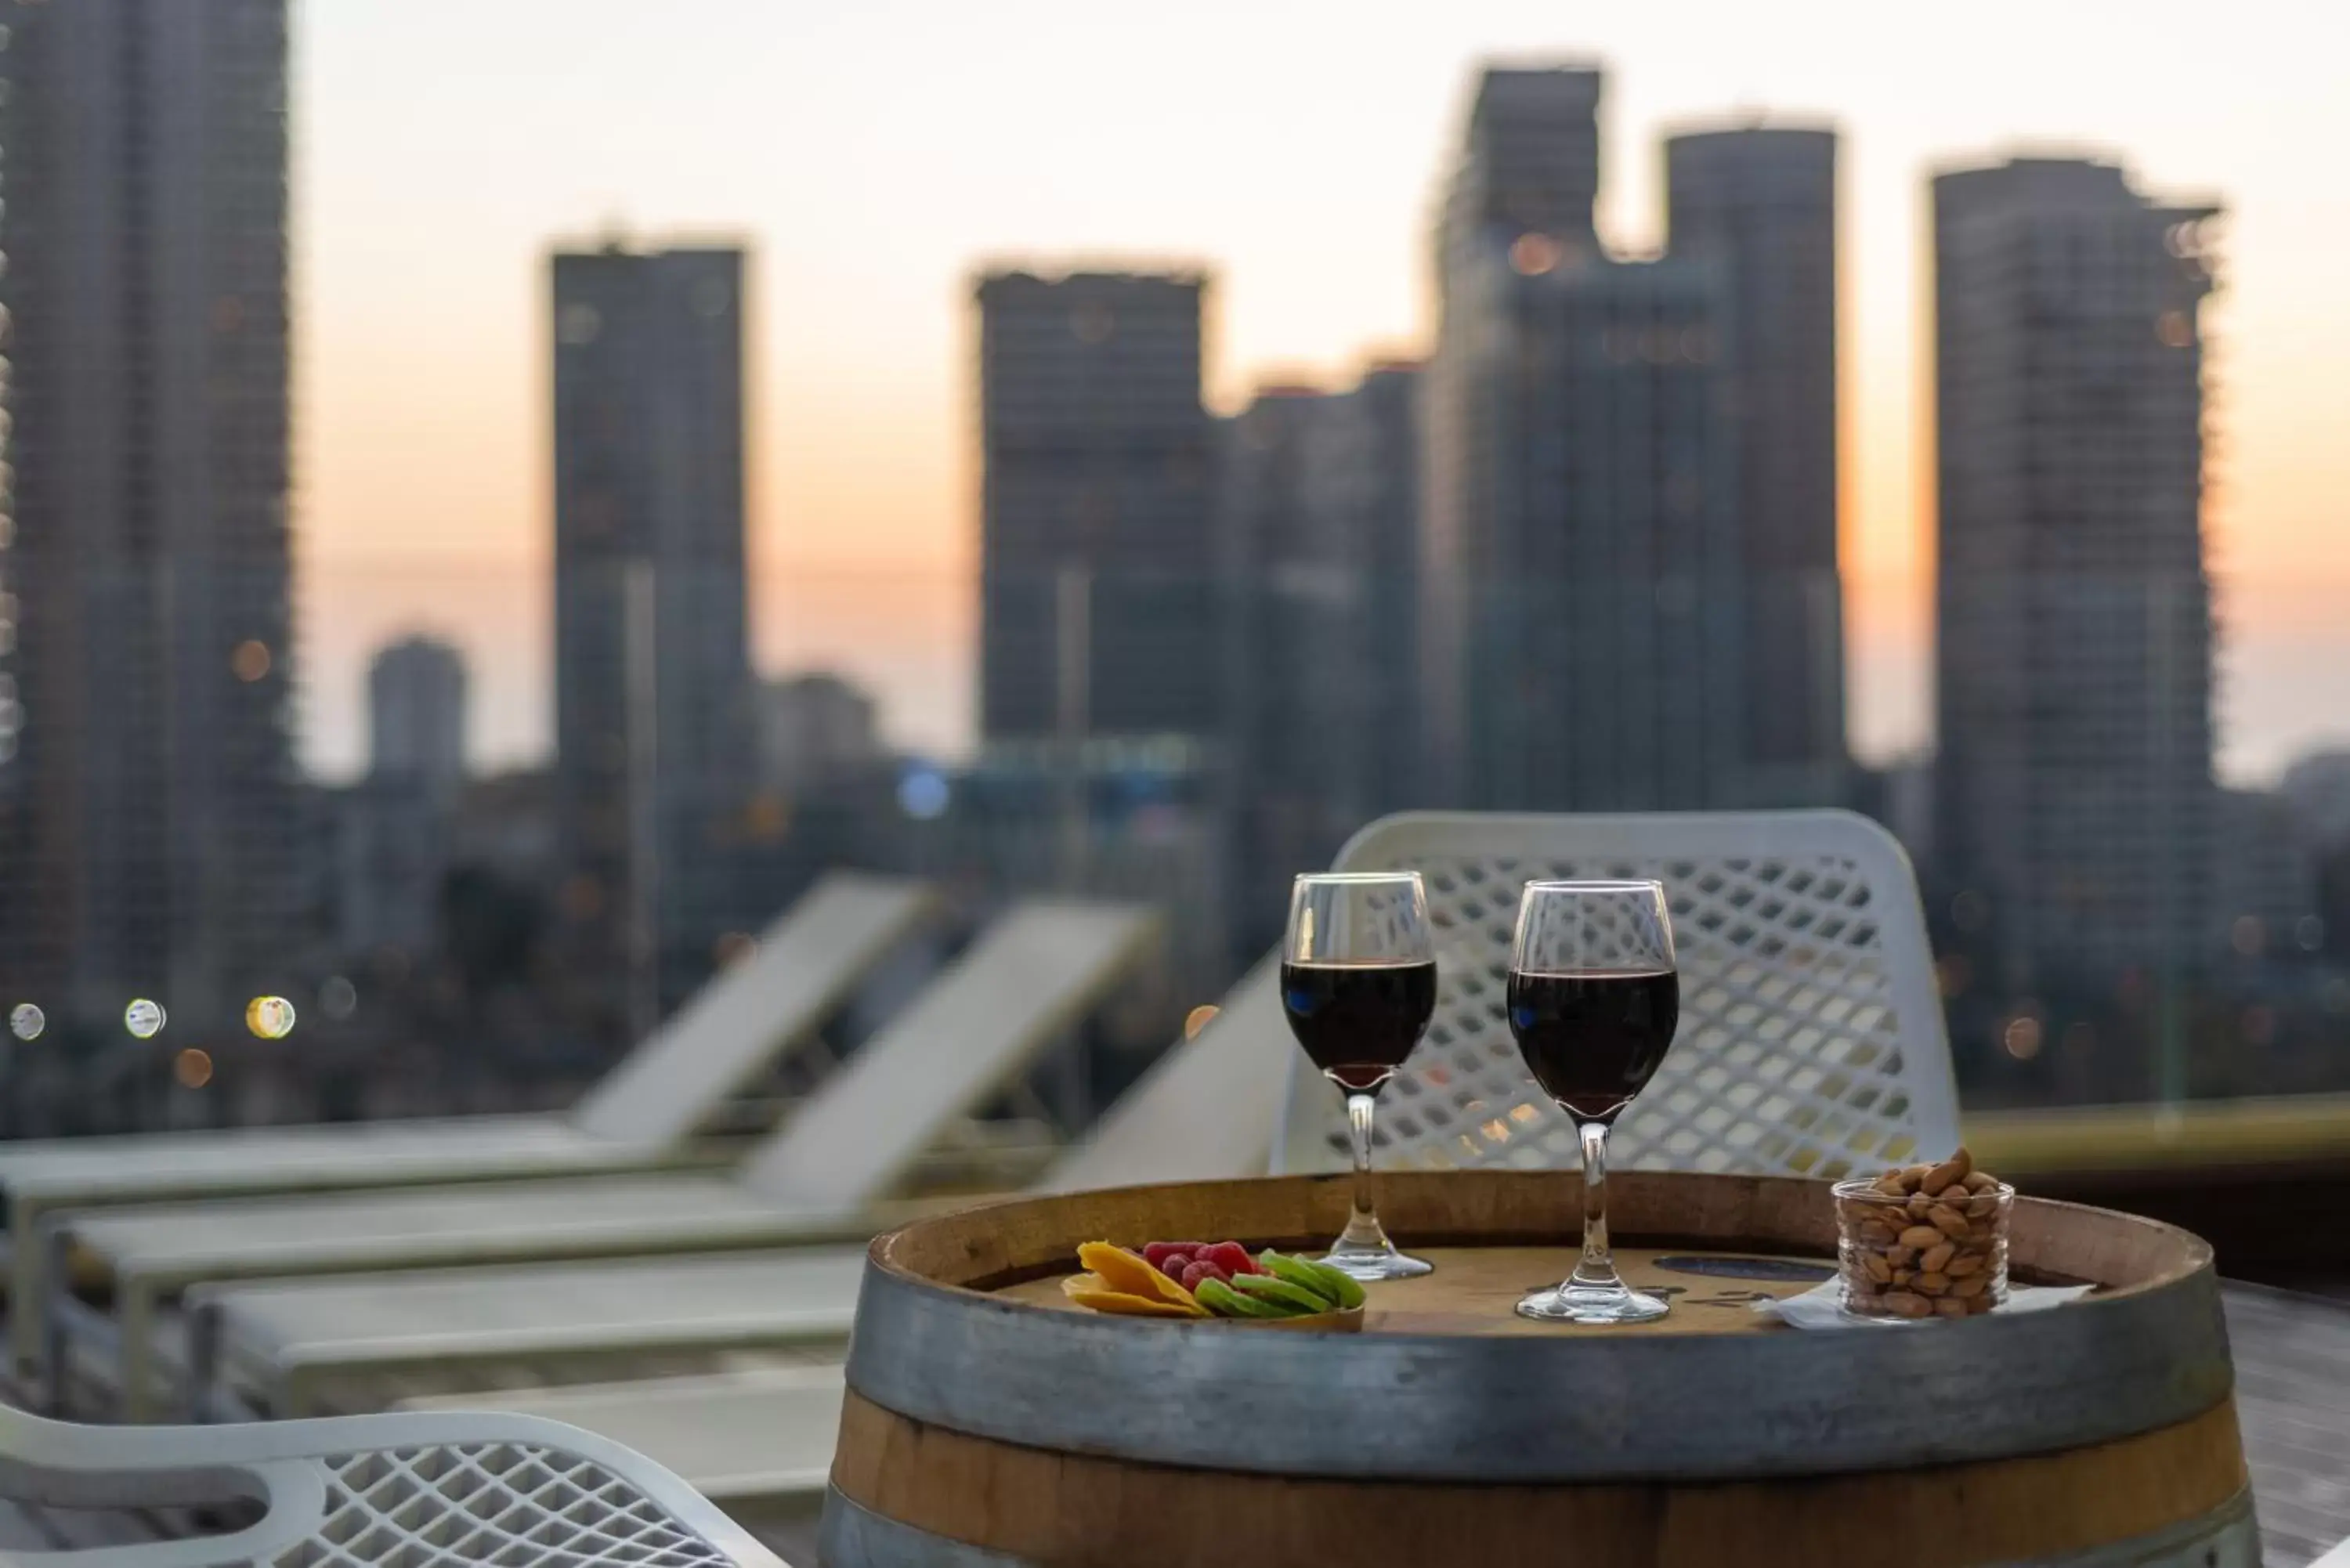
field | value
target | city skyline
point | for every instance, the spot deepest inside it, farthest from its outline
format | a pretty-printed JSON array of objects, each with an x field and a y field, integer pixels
[{"x": 864, "y": 462}]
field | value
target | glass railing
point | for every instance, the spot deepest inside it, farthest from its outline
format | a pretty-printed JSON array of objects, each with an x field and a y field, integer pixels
[{"x": 390, "y": 839}]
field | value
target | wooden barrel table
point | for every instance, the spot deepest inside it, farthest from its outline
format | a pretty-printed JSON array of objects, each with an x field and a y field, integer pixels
[{"x": 988, "y": 1423}]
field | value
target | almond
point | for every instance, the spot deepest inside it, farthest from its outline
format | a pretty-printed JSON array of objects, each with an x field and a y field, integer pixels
[
  {"x": 1948, "y": 1220},
  {"x": 1983, "y": 1206},
  {"x": 1977, "y": 1304},
  {"x": 1929, "y": 1284},
  {"x": 1878, "y": 1269},
  {"x": 1936, "y": 1259},
  {"x": 1923, "y": 1236},
  {"x": 1919, "y": 1204},
  {"x": 1980, "y": 1181},
  {"x": 1941, "y": 1176},
  {"x": 1901, "y": 1304},
  {"x": 1972, "y": 1285},
  {"x": 1875, "y": 1233},
  {"x": 1963, "y": 1264},
  {"x": 1890, "y": 1185},
  {"x": 1950, "y": 1306}
]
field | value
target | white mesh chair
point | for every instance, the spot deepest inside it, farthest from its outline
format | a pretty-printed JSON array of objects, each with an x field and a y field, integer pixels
[
  {"x": 1811, "y": 1038},
  {"x": 364, "y": 1490},
  {"x": 759, "y": 1432},
  {"x": 1031, "y": 976},
  {"x": 639, "y": 1117}
]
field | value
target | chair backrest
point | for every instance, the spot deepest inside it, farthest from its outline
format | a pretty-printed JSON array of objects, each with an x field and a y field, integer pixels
[
  {"x": 1206, "y": 1111},
  {"x": 1811, "y": 1038},
  {"x": 1030, "y": 976},
  {"x": 357, "y": 1490},
  {"x": 803, "y": 967}
]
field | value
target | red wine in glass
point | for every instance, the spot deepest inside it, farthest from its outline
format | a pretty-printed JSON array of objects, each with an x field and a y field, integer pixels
[
  {"x": 1593, "y": 1040},
  {"x": 1357, "y": 1022}
]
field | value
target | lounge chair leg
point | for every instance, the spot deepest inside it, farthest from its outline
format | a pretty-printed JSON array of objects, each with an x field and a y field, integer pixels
[
  {"x": 27, "y": 1280},
  {"x": 134, "y": 1306},
  {"x": 53, "y": 1331},
  {"x": 203, "y": 1359}
]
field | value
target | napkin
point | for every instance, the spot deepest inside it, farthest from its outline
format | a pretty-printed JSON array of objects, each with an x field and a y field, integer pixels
[{"x": 1820, "y": 1308}]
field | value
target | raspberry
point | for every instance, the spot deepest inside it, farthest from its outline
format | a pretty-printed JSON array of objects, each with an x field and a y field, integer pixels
[
  {"x": 1157, "y": 1253},
  {"x": 1231, "y": 1257},
  {"x": 1173, "y": 1265},
  {"x": 1201, "y": 1271}
]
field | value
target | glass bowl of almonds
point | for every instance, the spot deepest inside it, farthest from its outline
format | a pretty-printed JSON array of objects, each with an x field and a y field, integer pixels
[{"x": 1923, "y": 1241}]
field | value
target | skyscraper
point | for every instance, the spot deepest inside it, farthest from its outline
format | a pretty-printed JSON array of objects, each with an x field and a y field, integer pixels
[
  {"x": 1317, "y": 526},
  {"x": 1097, "y": 593},
  {"x": 2073, "y": 632},
  {"x": 1581, "y": 622},
  {"x": 653, "y": 726},
  {"x": 146, "y": 645},
  {"x": 1759, "y": 202},
  {"x": 416, "y": 714},
  {"x": 395, "y": 831}
]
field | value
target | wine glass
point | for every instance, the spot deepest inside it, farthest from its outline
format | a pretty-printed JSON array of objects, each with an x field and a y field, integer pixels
[
  {"x": 1358, "y": 986},
  {"x": 1593, "y": 998}
]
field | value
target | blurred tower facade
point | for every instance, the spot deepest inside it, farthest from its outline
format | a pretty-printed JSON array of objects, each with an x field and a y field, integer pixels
[
  {"x": 1581, "y": 618},
  {"x": 1760, "y": 202},
  {"x": 653, "y": 722},
  {"x": 2074, "y": 789},
  {"x": 1097, "y": 599},
  {"x": 146, "y": 641},
  {"x": 416, "y": 714},
  {"x": 1317, "y": 539}
]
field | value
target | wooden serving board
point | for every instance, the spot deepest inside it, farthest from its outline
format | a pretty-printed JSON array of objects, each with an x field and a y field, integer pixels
[{"x": 1474, "y": 1290}]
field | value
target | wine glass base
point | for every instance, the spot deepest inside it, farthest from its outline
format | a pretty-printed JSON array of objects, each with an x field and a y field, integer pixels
[
  {"x": 1369, "y": 1263},
  {"x": 1593, "y": 1305}
]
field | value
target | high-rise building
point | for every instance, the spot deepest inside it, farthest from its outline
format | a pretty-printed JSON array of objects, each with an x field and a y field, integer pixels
[
  {"x": 146, "y": 640},
  {"x": 416, "y": 714},
  {"x": 1317, "y": 537},
  {"x": 813, "y": 730},
  {"x": 1759, "y": 202},
  {"x": 653, "y": 728},
  {"x": 1530, "y": 162},
  {"x": 1582, "y": 623},
  {"x": 1097, "y": 599},
  {"x": 2073, "y": 634}
]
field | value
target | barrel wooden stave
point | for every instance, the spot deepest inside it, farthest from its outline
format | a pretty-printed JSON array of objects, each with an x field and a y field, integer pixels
[
  {"x": 1081, "y": 1472},
  {"x": 1033, "y": 1505}
]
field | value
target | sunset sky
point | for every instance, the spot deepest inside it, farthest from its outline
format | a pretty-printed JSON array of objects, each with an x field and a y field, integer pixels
[{"x": 872, "y": 153}]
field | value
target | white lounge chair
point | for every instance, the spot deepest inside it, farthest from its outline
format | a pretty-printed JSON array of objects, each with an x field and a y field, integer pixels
[
  {"x": 1025, "y": 981},
  {"x": 405, "y": 1489},
  {"x": 639, "y": 1117},
  {"x": 1205, "y": 1108},
  {"x": 1811, "y": 1038}
]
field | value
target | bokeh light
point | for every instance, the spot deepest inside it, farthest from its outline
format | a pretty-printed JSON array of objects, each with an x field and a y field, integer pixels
[
  {"x": 144, "y": 1019},
  {"x": 250, "y": 662},
  {"x": 1199, "y": 1018},
  {"x": 269, "y": 1017},
  {"x": 922, "y": 794},
  {"x": 339, "y": 997},
  {"x": 26, "y": 1021},
  {"x": 733, "y": 947},
  {"x": 1534, "y": 254},
  {"x": 193, "y": 1067},
  {"x": 2020, "y": 1038}
]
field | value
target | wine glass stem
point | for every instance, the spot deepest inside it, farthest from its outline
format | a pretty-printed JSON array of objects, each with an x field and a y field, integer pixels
[
  {"x": 1363, "y": 1224},
  {"x": 1598, "y": 1265}
]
